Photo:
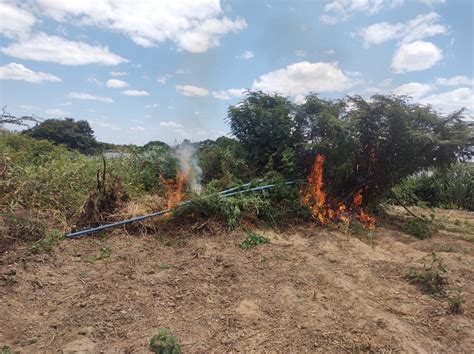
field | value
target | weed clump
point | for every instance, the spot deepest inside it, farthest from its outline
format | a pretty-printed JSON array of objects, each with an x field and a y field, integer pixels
[
  {"x": 47, "y": 242},
  {"x": 432, "y": 278},
  {"x": 420, "y": 228},
  {"x": 19, "y": 226},
  {"x": 253, "y": 239},
  {"x": 104, "y": 254},
  {"x": 455, "y": 301},
  {"x": 164, "y": 343}
]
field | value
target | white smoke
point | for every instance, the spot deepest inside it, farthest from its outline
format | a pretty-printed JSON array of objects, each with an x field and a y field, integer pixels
[{"x": 189, "y": 165}]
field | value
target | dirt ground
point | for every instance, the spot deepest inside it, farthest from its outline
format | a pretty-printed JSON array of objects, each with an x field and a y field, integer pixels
[{"x": 309, "y": 290}]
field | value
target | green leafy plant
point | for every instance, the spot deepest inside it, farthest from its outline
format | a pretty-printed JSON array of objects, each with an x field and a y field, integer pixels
[
  {"x": 455, "y": 301},
  {"x": 105, "y": 253},
  {"x": 47, "y": 242},
  {"x": 164, "y": 343},
  {"x": 418, "y": 227},
  {"x": 432, "y": 277},
  {"x": 253, "y": 239}
]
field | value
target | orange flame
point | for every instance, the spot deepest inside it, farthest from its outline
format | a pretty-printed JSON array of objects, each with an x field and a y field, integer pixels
[
  {"x": 174, "y": 190},
  {"x": 362, "y": 216},
  {"x": 315, "y": 198}
]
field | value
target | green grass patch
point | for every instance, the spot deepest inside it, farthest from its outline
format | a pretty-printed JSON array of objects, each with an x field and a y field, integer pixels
[
  {"x": 253, "y": 239},
  {"x": 47, "y": 242}
]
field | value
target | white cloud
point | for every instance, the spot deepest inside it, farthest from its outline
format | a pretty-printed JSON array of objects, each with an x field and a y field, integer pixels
[
  {"x": 55, "y": 112},
  {"x": 418, "y": 28},
  {"x": 228, "y": 94},
  {"x": 206, "y": 34},
  {"x": 137, "y": 121},
  {"x": 170, "y": 124},
  {"x": 246, "y": 55},
  {"x": 95, "y": 81},
  {"x": 15, "y": 22},
  {"x": 162, "y": 79},
  {"x": 43, "y": 47},
  {"x": 300, "y": 53},
  {"x": 138, "y": 128},
  {"x": 193, "y": 25},
  {"x": 416, "y": 56},
  {"x": 118, "y": 73},
  {"x": 153, "y": 105},
  {"x": 87, "y": 96},
  {"x": 181, "y": 71},
  {"x": 14, "y": 71},
  {"x": 450, "y": 101},
  {"x": 114, "y": 83},
  {"x": 135, "y": 93},
  {"x": 454, "y": 81},
  {"x": 415, "y": 90},
  {"x": 341, "y": 10},
  {"x": 432, "y": 2},
  {"x": 304, "y": 77},
  {"x": 329, "y": 52},
  {"x": 189, "y": 90}
]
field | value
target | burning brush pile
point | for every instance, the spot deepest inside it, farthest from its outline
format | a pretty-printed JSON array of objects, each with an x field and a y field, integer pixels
[{"x": 325, "y": 208}]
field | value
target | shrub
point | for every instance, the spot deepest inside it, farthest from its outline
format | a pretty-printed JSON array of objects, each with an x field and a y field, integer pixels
[
  {"x": 47, "y": 242},
  {"x": 231, "y": 210},
  {"x": 455, "y": 301},
  {"x": 418, "y": 227},
  {"x": 432, "y": 278},
  {"x": 19, "y": 226},
  {"x": 253, "y": 239},
  {"x": 164, "y": 343},
  {"x": 451, "y": 187}
]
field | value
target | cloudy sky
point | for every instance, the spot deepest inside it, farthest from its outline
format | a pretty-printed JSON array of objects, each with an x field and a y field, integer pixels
[{"x": 141, "y": 70}]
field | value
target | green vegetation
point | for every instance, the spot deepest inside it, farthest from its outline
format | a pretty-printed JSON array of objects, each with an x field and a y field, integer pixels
[
  {"x": 76, "y": 135},
  {"x": 432, "y": 277},
  {"x": 47, "y": 242},
  {"x": 451, "y": 187},
  {"x": 104, "y": 254},
  {"x": 164, "y": 343},
  {"x": 253, "y": 239},
  {"x": 51, "y": 177},
  {"x": 421, "y": 228},
  {"x": 455, "y": 301}
]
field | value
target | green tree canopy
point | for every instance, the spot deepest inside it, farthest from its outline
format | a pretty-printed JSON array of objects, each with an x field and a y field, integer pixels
[
  {"x": 268, "y": 128},
  {"x": 370, "y": 145},
  {"x": 77, "y": 135}
]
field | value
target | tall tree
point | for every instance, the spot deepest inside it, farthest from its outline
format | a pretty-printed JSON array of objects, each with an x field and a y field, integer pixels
[
  {"x": 268, "y": 128},
  {"x": 77, "y": 135}
]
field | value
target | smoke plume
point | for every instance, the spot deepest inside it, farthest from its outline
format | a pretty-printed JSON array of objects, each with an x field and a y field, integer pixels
[{"x": 186, "y": 153}]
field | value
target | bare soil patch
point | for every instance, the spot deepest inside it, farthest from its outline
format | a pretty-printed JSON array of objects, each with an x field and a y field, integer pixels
[{"x": 310, "y": 289}]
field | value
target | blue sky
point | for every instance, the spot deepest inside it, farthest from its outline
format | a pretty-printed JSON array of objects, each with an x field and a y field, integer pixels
[{"x": 168, "y": 70}]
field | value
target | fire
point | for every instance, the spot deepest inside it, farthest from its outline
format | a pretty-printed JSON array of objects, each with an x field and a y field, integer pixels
[
  {"x": 361, "y": 215},
  {"x": 326, "y": 209},
  {"x": 175, "y": 190},
  {"x": 315, "y": 197}
]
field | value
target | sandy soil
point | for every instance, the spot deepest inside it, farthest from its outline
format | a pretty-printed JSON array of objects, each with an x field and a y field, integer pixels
[{"x": 310, "y": 289}]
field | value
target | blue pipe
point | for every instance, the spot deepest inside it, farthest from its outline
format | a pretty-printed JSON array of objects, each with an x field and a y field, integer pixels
[{"x": 226, "y": 193}]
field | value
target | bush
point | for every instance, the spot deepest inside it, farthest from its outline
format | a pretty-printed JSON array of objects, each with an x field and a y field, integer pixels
[
  {"x": 47, "y": 242},
  {"x": 432, "y": 278},
  {"x": 455, "y": 301},
  {"x": 253, "y": 239},
  {"x": 451, "y": 187},
  {"x": 40, "y": 176},
  {"x": 418, "y": 227},
  {"x": 164, "y": 343},
  {"x": 277, "y": 206}
]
